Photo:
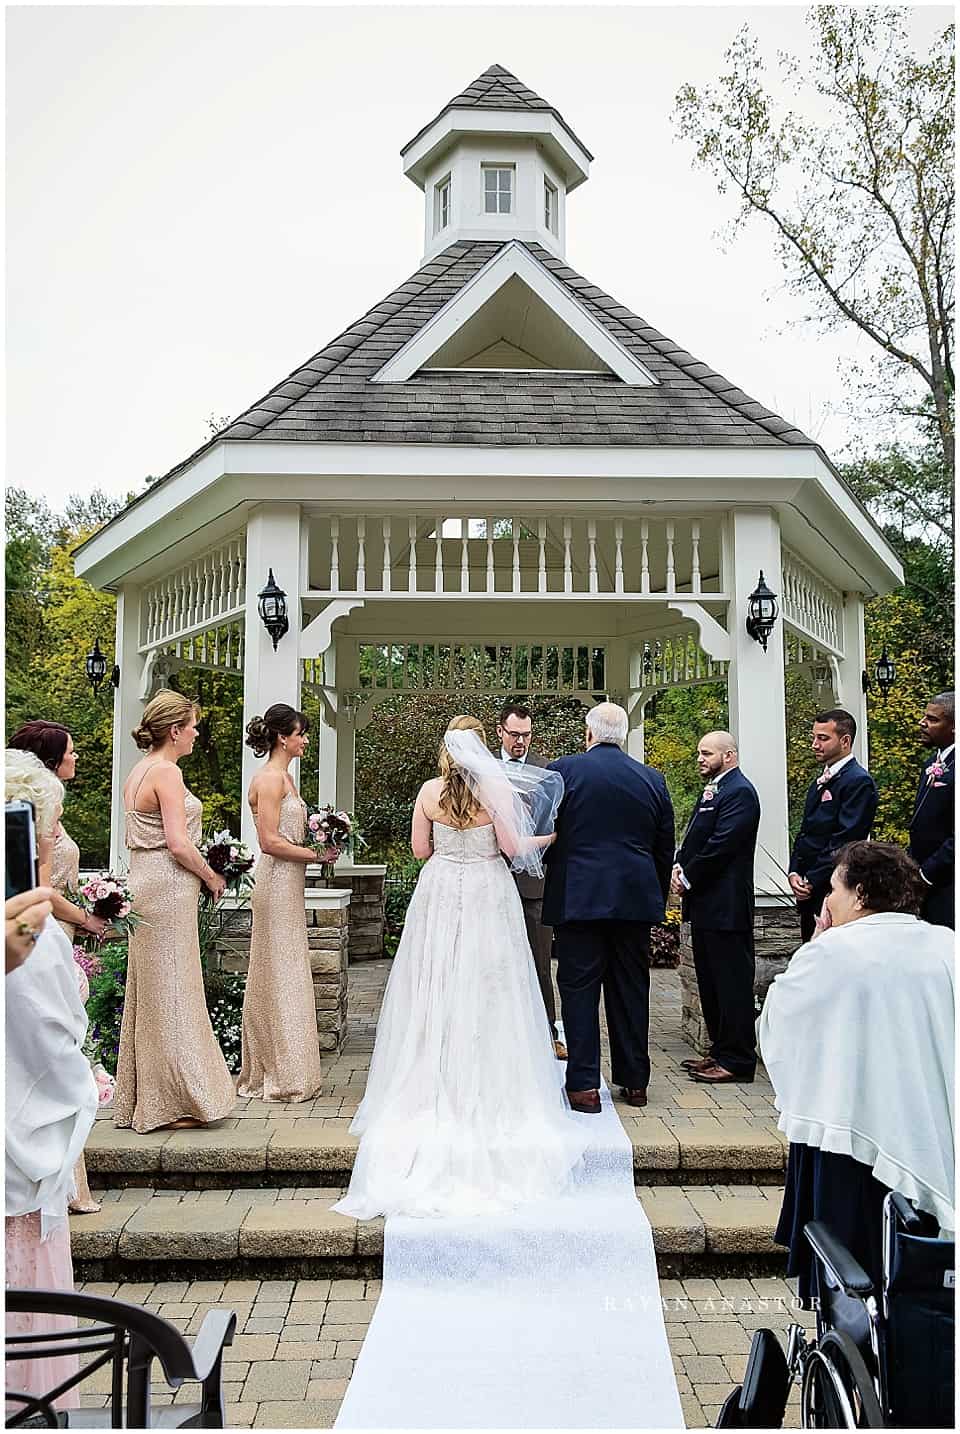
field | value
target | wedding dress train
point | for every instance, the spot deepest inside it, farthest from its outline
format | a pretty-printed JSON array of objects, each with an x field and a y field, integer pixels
[{"x": 520, "y": 1284}]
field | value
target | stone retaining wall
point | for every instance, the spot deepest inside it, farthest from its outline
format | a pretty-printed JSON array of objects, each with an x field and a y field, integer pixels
[
  {"x": 366, "y": 885},
  {"x": 776, "y": 933}
]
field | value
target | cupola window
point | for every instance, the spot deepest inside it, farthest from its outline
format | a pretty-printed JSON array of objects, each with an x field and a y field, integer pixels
[
  {"x": 550, "y": 206},
  {"x": 497, "y": 189},
  {"x": 441, "y": 205}
]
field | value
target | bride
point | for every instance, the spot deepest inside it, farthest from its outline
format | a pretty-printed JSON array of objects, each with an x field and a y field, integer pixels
[{"x": 464, "y": 1112}]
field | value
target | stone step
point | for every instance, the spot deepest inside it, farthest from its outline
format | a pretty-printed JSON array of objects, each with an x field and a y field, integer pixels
[
  {"x": 143, "y": 1233},
  {"x": 703, "y": 1150}
]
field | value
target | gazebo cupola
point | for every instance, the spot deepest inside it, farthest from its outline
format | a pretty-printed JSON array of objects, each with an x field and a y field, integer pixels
[{"x": 497, "y": 163}]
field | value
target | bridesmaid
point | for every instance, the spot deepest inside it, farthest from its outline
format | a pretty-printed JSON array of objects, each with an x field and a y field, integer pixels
[
  {"x": 52, "y": 743},
  {"x": 170, "y": 1070},
  {"x": 281, "y": 1049}
]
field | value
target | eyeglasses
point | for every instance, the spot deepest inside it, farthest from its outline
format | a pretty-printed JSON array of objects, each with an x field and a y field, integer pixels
[{"x": 517, "y": 736}]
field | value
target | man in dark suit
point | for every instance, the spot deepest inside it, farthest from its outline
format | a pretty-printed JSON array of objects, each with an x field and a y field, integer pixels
[
  {"x": 515, "y": 730},
  {"x": 608, "y": 874},
  {"x": 714, "y": 876},
  {"x": 840, "y": 806},
  {"x": 932, "y": 827}
]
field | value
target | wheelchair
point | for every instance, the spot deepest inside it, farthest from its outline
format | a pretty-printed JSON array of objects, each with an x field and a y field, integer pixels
[{"x": 880, "y": 1360}]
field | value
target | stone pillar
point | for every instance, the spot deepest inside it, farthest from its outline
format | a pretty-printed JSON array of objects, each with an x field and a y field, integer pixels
[
  {"x": 366, "y": 885},
  {"x": 127, "y": 709},
  {"x": 273, "y": 541},
  {"x": 328, "y": 934},
  {"x": 850, "y": 694},
  {"x": 776, "y": 935}
]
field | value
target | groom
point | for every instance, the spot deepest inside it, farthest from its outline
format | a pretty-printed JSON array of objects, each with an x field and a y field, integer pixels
[{"x": 608, "y": 875}]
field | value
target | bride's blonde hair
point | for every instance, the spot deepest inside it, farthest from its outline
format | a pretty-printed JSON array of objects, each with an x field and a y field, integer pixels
[{"x": 457, "y": 801}]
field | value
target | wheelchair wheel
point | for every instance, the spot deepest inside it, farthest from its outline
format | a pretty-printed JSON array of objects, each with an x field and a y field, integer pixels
[{"x": 837, "y": 1391}]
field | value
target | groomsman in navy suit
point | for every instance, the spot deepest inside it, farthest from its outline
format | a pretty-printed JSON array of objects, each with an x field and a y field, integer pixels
[
  {"x": 840, "y": 806},
  {"x": 932, "y": 828},
  {"x": 608, "y": 874},
  {"x": 714, "y": 875}
]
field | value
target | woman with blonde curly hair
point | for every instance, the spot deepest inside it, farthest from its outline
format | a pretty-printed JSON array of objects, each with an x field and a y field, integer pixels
[
  {"x": 464, "y": 1076},
  {"x": 170, "y": 1070}
]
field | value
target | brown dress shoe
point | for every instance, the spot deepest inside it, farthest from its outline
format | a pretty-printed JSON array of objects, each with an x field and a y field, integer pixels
[
  {"x": 559, "y": 1050},
  {"x": 633, "y": 1097},
  {"x": 718, "y": 1075},
  {"x": 586, "y": 1102},
  {"x": 698, "y": 1063}
]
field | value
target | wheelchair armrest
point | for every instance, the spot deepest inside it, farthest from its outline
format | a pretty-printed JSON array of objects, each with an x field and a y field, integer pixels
[
  {"x": 216, "y": 1331},
  {"x": 848, "y": 1272},
  {"x": 907, "y": 1217}
]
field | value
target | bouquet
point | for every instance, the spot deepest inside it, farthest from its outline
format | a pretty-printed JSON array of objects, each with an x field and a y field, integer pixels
[
  {"x": 228, "y": 857},
  {"x": 110, "y": 898},
  {"x": 331, "y": 833}
]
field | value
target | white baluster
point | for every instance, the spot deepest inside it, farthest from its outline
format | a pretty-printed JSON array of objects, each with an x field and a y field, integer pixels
[
  {"x": 671, "y": 570},
  {"x": 695, "y": 557},
  {"x": 515, "y": 533},
  {"x": 334, "y": 555},
  {"x": 387, "y": 562},
  {"x": 567, "y": 557},
  {"x": 464, "y": 555},
  {"x": 438, "y": 561},
  {"x": 412, "y": 556},
  {"x": 592, "y": 553},
  {"x": 542, "y": 555},
  {"x": 618, "y": 560},
  {"x": 361, "y": 553},
  {"x": 491, "y": 571},
  {"x": 644, "y": 556}
]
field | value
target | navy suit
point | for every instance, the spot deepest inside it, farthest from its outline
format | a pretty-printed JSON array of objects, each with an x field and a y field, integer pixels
[
  {"x": 608, "y": 875},
  {"x": 931, "y": 841},
  {"x": 716, "y": 857},
  {"x": 839, "y": 811}
]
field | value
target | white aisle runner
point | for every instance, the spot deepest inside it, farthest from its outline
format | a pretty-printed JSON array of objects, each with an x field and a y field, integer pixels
[{"x": 547, "y": 1317}]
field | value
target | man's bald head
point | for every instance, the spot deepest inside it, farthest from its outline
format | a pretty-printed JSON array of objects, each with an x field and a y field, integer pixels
[{"x": 716, "y": 754}]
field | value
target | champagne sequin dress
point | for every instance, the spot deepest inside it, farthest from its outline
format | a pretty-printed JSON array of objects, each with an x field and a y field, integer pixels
[
  {"x": 65, "y": 870},
  {"x": 170, "y": 1066},
  {"x": 281, "y": 1050}
]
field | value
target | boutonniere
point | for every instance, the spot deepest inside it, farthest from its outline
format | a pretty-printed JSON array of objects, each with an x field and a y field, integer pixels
[
  {"x": 709, "y": 793},
  {"x": 935, "y": 771},
  {"x": 824, "y": 778},
  {"x": 827, "y": 795}
]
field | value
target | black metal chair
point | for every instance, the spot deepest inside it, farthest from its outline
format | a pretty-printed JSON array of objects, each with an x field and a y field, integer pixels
[{"x": 128, "y": 1339}]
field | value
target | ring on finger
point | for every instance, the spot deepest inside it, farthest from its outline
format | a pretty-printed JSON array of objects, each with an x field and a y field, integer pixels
[{"x": 25, "y": 929}]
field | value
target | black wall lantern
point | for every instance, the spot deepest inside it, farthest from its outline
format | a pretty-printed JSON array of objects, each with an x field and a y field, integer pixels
[
  {"x": 272, "y": 607},
  {"x": 96, "y": 666},
  {"x": 885, "y": 673},
  {"x": 762, "y": 613}
]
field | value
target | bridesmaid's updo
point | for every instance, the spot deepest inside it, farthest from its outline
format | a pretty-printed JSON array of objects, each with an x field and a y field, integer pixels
[
  {"x": 263, "y": 733},
  {"x": 166, "y": 710},
  {"x": 46, "y": 740}
]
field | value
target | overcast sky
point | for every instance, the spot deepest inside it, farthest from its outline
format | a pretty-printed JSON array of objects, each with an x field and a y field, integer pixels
[{"x": 198, "y": 199}]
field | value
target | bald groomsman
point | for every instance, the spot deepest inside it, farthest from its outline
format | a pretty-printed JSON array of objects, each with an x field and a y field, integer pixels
[
  {"x": 932, "y": 827},
  {"x": 714, "y": 875}
]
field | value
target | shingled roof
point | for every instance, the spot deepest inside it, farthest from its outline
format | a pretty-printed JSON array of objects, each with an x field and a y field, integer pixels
[
  {"x": 497, "y": 89},
  {"x": 331, "y": 398}
]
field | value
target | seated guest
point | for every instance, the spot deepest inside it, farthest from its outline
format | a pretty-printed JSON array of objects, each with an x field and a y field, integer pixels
[
  {"x": 857, "y": 1038},
  {"x": 840, "y": 807},
  {"x": 51, "y": 1100},
  {"x": 932, "y": 827}
]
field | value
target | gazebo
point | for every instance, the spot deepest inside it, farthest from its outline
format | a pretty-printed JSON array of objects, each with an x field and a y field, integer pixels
[{"x": 498, "y": 479}]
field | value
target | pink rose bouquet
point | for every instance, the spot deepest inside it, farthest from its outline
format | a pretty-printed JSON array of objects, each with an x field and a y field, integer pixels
[{"x": 110, "y": 898}]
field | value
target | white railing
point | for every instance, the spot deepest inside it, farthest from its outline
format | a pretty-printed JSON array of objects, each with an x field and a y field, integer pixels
[
  {"x": 556, "y": 555},
  {"x": 676, "y": 662},
  {"x": 443, "y": 665},
  {"x": 215, "y": 649},
  {"x": 204, "y": 593},
  {"x": 811, "y": 605}
]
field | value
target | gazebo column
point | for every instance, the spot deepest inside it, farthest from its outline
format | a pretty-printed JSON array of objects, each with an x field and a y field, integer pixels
[
  {"x": 755, "y": 681},
  {"x": 348, "y": 680},
  {"x": 127, "y": 709},
  {"x": 851, "y": 666},
  {"x": 273, "y": 541}
]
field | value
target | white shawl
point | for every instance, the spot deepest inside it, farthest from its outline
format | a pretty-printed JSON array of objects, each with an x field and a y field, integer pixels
[
  {"x": 51, "y": 1094},
  {"x": 857, "y": 1037}
]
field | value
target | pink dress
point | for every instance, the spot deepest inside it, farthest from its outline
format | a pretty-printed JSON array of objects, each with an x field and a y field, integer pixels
[{"x": 35, "y": 1264}]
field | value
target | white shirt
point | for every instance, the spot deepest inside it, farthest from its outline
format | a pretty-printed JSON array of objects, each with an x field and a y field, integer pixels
[
  {"x": 506, "y": 757},
  {"x": 944, "y": 754},
  {"x": 829, "y": 771},
  {"x": 713, "y": 782}
]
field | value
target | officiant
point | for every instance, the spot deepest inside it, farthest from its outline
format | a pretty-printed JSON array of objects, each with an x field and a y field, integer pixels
[
  {"x": 515, "y": 730},
  {"x": 714, "y": 876}
]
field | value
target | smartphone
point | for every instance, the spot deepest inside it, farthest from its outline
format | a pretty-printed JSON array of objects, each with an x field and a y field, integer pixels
[{"x": 23, "y": 871}]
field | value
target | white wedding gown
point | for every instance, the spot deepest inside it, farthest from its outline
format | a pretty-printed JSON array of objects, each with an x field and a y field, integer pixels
[{"x": 464, "y": 1113}]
